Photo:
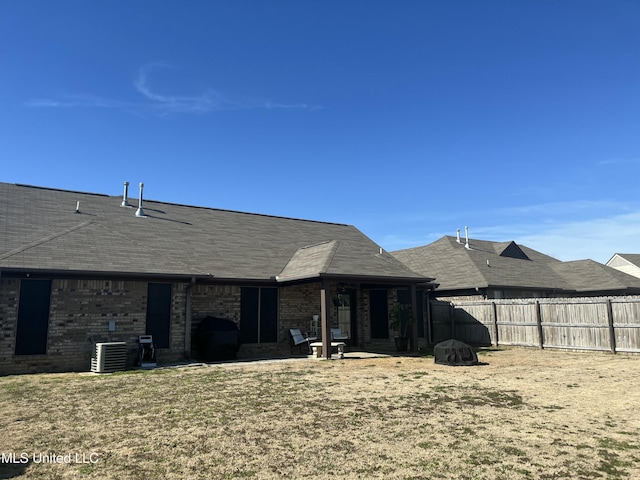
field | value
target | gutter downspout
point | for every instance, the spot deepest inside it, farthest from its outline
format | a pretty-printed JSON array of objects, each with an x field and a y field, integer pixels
[
  {"x": 414, "y": 312},
  {"x": 187, "y": 320},
  {"x": 429, "y": 327}
]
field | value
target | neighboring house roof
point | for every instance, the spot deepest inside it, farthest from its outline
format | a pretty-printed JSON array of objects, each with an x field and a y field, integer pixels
[
  {"x": 39, "y": 230},
  {"x": 626, "y": 262},
  {"x": 632, "y": 258},
  {"x": 506, "y": 265},
  {"x": 589, "y": 275}
]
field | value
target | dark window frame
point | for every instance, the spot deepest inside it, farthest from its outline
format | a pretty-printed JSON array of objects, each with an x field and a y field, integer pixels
[
  {"x": 379, "y": 317},
  {"x": 158, "y": 315},
  {"x": 259, "y": 314},
  {"x": 34, "y": 316},
  {"x": 403, "y": 296}
]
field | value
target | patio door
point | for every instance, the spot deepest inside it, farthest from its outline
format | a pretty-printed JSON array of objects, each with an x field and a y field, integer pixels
[
  {"x": 347, "y": 315},
  {"x": 379, "y": 313}
]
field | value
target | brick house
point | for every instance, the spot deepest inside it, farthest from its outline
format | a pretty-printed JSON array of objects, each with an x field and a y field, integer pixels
[{"x": 80, "y": 268}]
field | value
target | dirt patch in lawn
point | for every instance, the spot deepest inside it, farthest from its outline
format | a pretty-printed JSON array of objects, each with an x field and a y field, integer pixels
[{"x": 523, "y": 414}]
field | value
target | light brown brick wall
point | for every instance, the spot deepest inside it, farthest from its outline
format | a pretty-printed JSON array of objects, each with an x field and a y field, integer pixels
[
  {"x": 9, "y": 296},
  {"x": 297, "y": 304},
  {"x": 81, "y": 310},
  {"x": 79, "y": 316}
]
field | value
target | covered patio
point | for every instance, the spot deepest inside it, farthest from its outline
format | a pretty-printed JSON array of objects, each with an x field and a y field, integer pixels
[{"x": 358, "y": 301}]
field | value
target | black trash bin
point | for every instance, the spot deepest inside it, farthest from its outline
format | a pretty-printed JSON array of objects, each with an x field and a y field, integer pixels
[{"x": 217, "y": 339}]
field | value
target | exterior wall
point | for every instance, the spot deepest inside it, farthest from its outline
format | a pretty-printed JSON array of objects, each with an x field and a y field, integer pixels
[
  {"x": 79, "y": 316},
  {"x": 9, "y": 296},
  {"x": 388, "y": 344},
  {"x": 297, "y": 305},
  {"x": 81, "y": 309}
]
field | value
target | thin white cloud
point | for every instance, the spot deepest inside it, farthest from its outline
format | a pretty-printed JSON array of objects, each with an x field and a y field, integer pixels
[
  {"x": 597, "y": 238},
  {"x": 558, "y": 209},
  {"x": 207, "y": 101},
  {"x": 73, "y": 101},
  {"x": 620, "y": 161}
]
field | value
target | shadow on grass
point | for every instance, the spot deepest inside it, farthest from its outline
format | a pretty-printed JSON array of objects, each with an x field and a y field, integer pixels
[{"x": 13, "y": 470}]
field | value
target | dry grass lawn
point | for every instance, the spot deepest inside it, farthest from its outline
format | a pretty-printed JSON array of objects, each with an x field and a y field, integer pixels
[{"x": 524, "y": 414}]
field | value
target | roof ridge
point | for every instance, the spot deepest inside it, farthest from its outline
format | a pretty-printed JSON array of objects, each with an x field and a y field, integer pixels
[
  {"x": 185, "y": 205},
  {"x": 24, "y": 185},
  {"x": 326, "y": 258},
  {"x": 202, "y": 207},
  {"x": 332, "y": 254}
]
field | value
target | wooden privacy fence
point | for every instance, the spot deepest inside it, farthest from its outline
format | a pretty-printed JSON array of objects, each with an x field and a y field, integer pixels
[{"x": 601, "y": 323}]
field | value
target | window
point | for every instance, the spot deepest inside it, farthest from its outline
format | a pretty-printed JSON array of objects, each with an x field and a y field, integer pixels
[
  {"x": 420, "y": 319},
  {"x": 159, "y": 313},
  {"x": 379, "y": 313},
  {"x": 33, "y": 317},
  {"x": 259, "y": 314},
  {"x": 343, "y": 304},
  {"x": 404, "y": 297}
]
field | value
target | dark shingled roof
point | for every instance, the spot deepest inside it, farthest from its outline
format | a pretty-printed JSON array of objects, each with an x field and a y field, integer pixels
[
  {"x": 40, "y": 231},
  {"x": 589, "y": 275},
  {"x": 509, "y": 266}
]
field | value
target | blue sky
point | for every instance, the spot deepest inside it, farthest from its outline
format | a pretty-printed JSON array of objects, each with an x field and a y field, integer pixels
[{"x": 407, "y": 119}]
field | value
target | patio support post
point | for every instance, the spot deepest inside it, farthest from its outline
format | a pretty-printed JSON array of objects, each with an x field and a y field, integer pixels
[
  {"x": 414, "y": 325},
  {"x": 324, "y": 320},
  {"x": 187, "y": 320}
]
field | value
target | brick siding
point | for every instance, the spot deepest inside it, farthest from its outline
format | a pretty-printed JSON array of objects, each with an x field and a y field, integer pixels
[
  {"x": 79, "y": 317},
  {"x": 81, "y": 310}
]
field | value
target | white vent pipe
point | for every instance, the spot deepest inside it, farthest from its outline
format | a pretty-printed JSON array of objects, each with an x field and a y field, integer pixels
[
  {"x": 140, "y": 212},
  {"x": 466, "y": 234},
  {"x": 125, "y": 195}
]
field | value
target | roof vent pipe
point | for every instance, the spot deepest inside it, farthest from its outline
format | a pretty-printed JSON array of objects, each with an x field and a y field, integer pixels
[
  {"x": 125, "y": 195},
  {"x": 458, "y": 236},
  {"x": 140, "y": 212},
  {"x": 466, "y": 234}
]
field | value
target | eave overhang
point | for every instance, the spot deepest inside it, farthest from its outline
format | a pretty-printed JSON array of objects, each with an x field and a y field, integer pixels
[{"x": 426, "y": 282}]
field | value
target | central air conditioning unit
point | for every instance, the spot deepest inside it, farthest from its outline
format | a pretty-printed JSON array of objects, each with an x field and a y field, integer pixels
[{"x": 109, "y": 357}]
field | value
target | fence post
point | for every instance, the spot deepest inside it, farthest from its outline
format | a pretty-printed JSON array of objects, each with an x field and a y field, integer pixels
[
  {"x": 495, "y": 322},
  {"x": 539, "y": 323},
  {"x": 612, "y": 330}
]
